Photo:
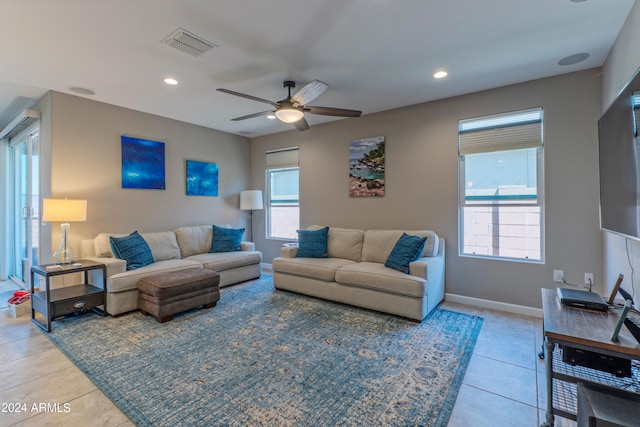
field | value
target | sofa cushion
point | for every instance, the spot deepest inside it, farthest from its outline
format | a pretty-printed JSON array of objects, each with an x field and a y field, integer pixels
[
  {"x": 194, "y": 239},
  {"x": 220, "y": 261},
  {"x": 133, "y": 249},
  {"x": 313, "y": 243},
  {"x": 128, "y": 281},
  {"x": 163, "y": 245},
  {"x": 406, "y": 250},
  {"x": 378, "y": 244},
  {"x": 373, "y": 275},
  {"x": 226, "y": 239},
  {"x": 343, "y": 242},
  {"x": 315, "y": 268}
]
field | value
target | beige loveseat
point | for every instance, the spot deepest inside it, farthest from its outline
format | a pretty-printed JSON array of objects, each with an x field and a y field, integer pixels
[
  {"x": 182, "y": 248},
  {"x": 355, "y": 273}
]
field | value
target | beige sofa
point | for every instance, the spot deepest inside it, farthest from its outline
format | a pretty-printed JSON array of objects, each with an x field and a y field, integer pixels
[
  {"x": 182, "y": 248},
  {"x": 355, "y": 273}
]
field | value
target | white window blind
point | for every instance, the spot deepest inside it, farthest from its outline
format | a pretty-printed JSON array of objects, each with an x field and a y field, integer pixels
[
  {"x": 280, "y": 159},
  {"x": 513, "y": 131}
]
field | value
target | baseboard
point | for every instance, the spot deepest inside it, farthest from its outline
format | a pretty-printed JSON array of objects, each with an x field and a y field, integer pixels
[
  {"x": 266, "y": 266},
  {"x": 495, "y": 305}
]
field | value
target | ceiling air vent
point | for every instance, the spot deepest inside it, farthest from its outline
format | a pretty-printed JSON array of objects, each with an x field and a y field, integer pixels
[{"x": 187, "y": 42}]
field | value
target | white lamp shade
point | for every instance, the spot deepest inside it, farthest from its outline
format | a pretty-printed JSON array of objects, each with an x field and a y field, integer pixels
[
  {"x": 64, "y": 210},
  {"x": 250, "y": 200},
  {"x": 289, "y": 115}
]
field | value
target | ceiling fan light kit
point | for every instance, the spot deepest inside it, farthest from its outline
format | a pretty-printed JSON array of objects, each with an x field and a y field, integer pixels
[
  {"x": 291, "y": 109},
  {"x": 289, "y": 115}
]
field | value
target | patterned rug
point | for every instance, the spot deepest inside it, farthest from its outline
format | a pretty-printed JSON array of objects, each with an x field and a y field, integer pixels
[{"x": 263, "y": 357}]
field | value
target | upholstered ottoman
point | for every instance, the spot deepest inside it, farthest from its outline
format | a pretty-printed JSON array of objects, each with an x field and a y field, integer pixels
[{"x": 164, "y": 294}]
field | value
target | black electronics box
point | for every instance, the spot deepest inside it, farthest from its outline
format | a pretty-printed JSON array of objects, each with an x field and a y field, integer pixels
[{"x": 614, "y": 365}]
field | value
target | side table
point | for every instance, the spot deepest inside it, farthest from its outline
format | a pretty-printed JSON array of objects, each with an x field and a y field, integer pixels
[
  {"x": 566, "y": 327},
  {"x": 53, "y": 303}
]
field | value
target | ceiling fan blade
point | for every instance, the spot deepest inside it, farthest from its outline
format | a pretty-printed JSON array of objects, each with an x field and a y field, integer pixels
[
  {"x": 250, "y": 116},
  {"x": 309, "y": 92},
  {"x": 243, "y": 95},
  {"x": 301, "y": 124},
  {"x": 329, "y": 111}
]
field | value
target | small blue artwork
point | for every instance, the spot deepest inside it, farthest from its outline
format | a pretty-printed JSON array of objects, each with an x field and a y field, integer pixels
[
  {"x": 142, "y": 164},
  {"x": 202, "y": 178}
]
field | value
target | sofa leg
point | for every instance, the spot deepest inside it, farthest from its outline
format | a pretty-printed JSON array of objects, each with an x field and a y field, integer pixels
[{"x": 210, "y": 305}]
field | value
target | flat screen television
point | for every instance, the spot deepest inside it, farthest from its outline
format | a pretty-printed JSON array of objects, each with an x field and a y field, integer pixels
[{"x": 619, "y": 162}]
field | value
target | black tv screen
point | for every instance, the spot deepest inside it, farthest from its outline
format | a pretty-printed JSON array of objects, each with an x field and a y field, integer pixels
[{"x": 619, "y": 158}]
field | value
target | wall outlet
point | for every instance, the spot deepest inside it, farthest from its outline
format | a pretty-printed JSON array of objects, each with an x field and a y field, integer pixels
[
  {"x": 588, "y": 279},
  {"x": 558, "y": 276}
]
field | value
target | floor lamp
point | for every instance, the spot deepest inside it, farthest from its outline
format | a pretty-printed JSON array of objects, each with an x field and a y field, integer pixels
[
  {"x": 251, "y": 200},
  {"x": 64, "y": 211}
]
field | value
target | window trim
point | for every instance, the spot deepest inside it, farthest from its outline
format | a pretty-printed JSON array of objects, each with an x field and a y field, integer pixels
[
  {"x": 500, "y": 202},
  {"x": 268, "y": 173}
]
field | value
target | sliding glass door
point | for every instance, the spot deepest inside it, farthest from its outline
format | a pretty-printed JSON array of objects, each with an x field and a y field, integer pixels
[{"x": 24, "y": 202}]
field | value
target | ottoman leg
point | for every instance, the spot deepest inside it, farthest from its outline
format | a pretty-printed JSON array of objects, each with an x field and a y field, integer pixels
[{"x": 165, "y": 318}]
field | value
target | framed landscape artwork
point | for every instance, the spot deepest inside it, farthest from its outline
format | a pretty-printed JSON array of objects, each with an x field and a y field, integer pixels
[
  {"x": 202, "y": 178},
  {"x": 366, "y": 167},
  {"x": 142, "y": 164}
]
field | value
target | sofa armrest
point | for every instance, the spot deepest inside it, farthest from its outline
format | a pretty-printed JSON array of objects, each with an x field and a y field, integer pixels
[
  {"x": 114, "y": 265},
  {"x": 426, "y": 267},
  {"x": 289, "y": 251},
  {"x": 419, "y": 267},
  {"x": 247, "y": 246}
]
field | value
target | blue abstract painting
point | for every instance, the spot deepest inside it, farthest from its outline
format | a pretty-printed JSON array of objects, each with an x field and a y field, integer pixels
[
  {"x": 142, "y": 163},
  {"x": 202, "y": 178}
]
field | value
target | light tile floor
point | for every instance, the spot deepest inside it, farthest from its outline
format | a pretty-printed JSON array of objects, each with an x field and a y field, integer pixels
[{"x": 504, "y": 383}]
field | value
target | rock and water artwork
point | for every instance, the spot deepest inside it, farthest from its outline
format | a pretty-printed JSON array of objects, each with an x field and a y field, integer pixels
[
  {"x": 366, "y": 167},
  {"x": 202, "y": 178},
  {"x": 142, "y": 164}
]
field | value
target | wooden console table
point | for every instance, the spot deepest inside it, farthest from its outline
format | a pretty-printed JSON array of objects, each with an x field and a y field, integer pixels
[{"x": 586, "y": 330}]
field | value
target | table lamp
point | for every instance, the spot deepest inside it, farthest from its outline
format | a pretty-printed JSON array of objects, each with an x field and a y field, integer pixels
[
  {"x": 64, "y": 211},
  {"x": 251, "y": 200}
]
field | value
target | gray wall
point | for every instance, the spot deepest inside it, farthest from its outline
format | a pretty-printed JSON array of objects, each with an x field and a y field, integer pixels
[
  {"x": 83, "y": 137},
  {"x": 422, "y": 181},
  {"x": 622, "y": 62}
]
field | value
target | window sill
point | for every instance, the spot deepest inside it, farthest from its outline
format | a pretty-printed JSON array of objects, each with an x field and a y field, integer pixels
[{"x": 502, "y": 258}]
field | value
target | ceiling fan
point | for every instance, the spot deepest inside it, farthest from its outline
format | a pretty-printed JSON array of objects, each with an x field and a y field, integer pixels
[{"x": 292, "y": 108}]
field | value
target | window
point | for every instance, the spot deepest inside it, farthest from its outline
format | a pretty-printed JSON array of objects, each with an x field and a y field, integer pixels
[
  {"x": 501, "y": 186},
  {"x": 283, "y": 205}
]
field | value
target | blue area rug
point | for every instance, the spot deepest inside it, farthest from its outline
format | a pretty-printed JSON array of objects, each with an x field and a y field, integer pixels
[{"x": 263, "y": 357}]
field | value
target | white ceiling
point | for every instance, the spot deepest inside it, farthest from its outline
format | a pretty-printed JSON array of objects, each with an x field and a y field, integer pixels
[{"x": 374, "y": 54}]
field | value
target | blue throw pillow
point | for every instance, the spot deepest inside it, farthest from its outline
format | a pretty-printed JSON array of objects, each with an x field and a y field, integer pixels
[
  {"x": 407, "y": 249},
  {"x": 226, "y": 239},
  {"x": 313, "y": 243},
  {"x": 133, "y": 249}
]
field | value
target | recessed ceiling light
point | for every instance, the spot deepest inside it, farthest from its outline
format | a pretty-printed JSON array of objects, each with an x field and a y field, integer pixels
[
  {"x": 573, "y": 59},
  {"x": 82, "y": 90},
  {"x": 170, "y": 81},
  {"x": 271, "y": 116},
  {"x": 440, "y": 74}
]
